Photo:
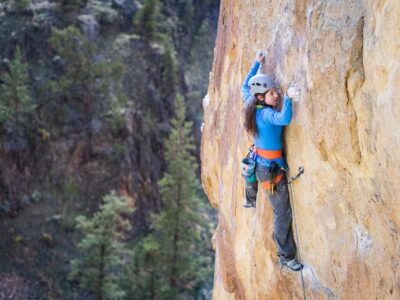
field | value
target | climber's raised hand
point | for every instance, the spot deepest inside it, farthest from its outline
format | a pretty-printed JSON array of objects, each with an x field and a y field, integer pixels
[
  {"x": 293, "y": 91},
  {"x": 260, "y": 56}
]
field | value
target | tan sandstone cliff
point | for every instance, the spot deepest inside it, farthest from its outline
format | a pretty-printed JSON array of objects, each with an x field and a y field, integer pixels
[{"x": 345, "y": 132}]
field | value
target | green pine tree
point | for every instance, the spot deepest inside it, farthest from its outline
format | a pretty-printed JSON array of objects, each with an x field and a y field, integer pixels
[
  {"x": 145, "y": 22},
  {"x": 21, "y": 5},
  {"x": 15, "y": 100},
  {"x": 168, "y": 72},
  {"x": 180, "y": 226},
  {"x": 82, "y": 91},
  {"x": 100, "y": 269},
  {"x": 144, "y": 277},
  {"x": 84, "y": 87}
]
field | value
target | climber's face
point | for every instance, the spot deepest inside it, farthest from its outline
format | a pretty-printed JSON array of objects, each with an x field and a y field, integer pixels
[{"x": 270, "y": 97}]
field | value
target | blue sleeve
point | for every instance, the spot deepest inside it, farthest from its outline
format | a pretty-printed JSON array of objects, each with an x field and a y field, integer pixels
[
  {"x": 245, "y": 87},
  {"x": 279, "y": 118}
]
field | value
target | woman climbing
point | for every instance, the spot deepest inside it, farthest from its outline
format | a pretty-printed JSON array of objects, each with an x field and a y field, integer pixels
[{"x": 266, "y": 124}]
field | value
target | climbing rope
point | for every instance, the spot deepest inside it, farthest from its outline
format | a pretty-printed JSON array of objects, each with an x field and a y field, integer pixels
[{"x": 301, "y": 171}]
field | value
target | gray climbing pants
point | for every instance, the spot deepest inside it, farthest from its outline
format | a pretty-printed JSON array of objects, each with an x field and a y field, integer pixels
[{"x": 282, "y": 211}]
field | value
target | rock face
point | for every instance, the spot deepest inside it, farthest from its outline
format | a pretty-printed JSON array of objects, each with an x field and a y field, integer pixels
[{"x": 345, "y": 55}]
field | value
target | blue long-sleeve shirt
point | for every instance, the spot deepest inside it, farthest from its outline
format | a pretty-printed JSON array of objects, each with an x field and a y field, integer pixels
[{"x": 270, "y": 123}]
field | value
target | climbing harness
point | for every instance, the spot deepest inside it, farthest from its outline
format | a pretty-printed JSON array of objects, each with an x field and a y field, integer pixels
[
  {"x": 274, "y": 177},
  {"x": 274, "y": 170},
  {"x": 301, "y": 171}
]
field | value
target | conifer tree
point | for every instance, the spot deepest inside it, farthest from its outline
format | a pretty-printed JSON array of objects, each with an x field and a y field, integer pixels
[
  {"x": 144, "y": 277},
  {"x": 178, "y": 228},
  {"x": 15, "y": 100},
  {"x": 85, "y": 84},
  {"x": 101, "y": 265},
  {"x": 79, "y": 95},
  {"x": 21, "y": 5},
  {"x": 168, "y": 72},
  {"x": 145, "y": 22}
]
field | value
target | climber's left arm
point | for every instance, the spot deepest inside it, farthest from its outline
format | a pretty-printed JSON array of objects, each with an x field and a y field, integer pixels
[{"x": 279, "y": 118}]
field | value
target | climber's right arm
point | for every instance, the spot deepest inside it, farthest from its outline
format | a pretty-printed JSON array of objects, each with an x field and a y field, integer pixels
[{"x": 246, "y": 95}]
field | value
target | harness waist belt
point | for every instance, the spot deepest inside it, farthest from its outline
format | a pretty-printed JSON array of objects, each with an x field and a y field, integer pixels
[{"x": 270, "y": 154}]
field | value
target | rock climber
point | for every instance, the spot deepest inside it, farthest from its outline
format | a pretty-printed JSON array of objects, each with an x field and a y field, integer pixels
[{"x": 265, "y": 123}]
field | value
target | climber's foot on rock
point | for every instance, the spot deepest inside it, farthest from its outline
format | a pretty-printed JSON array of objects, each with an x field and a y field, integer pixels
[
  {"x": 292, "y": 264},
  {"x": 248, "y": 203}
]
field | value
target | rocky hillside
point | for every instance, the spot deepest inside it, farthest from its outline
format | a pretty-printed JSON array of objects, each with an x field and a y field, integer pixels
[
  {"x": 345, "y": 56},
  {"x": 102, "y": 95}
]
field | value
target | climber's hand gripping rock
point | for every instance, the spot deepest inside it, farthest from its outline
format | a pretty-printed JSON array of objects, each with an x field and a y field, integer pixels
[
  {"x": 260, "y": 56},
  {"x": 293, "y": 91}
]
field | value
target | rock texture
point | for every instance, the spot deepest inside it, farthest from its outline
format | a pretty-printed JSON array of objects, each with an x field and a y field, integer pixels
[{"x": 346, "y": 57}]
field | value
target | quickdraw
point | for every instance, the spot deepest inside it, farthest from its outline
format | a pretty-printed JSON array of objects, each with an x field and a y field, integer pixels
[{"x": 301, "y": 171}]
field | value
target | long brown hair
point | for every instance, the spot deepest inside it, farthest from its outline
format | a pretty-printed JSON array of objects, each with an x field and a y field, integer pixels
[{"x": 250, "y": 117}]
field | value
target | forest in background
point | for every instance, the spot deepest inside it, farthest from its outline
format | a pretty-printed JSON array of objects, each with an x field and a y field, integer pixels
[{"x": 100, "y": 113}]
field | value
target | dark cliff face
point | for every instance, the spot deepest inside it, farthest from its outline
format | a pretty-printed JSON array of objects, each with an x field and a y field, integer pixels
[{"x": 48, "y": 176}]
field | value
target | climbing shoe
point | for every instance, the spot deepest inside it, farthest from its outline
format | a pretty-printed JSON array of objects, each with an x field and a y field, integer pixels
[
  {"x": 248, "y": 203},
  {"x": 292, "y": 264}
]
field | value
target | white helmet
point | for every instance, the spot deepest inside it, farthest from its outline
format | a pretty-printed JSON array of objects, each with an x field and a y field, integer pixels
[{"x": 260, "y": 84}]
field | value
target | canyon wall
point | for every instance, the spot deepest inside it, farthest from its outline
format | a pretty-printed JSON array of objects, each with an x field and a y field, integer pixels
[{"x": 345, "y": 55}]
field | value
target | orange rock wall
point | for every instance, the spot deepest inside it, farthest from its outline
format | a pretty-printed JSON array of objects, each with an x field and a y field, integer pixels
[{"x": 345, "y": 55}]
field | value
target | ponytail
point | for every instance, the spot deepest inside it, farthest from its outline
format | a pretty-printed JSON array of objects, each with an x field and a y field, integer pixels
[{"x": 250, "y": 117}]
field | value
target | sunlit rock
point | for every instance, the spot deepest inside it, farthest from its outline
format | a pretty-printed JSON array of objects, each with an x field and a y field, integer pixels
[{"x": 345, "y": 55}]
